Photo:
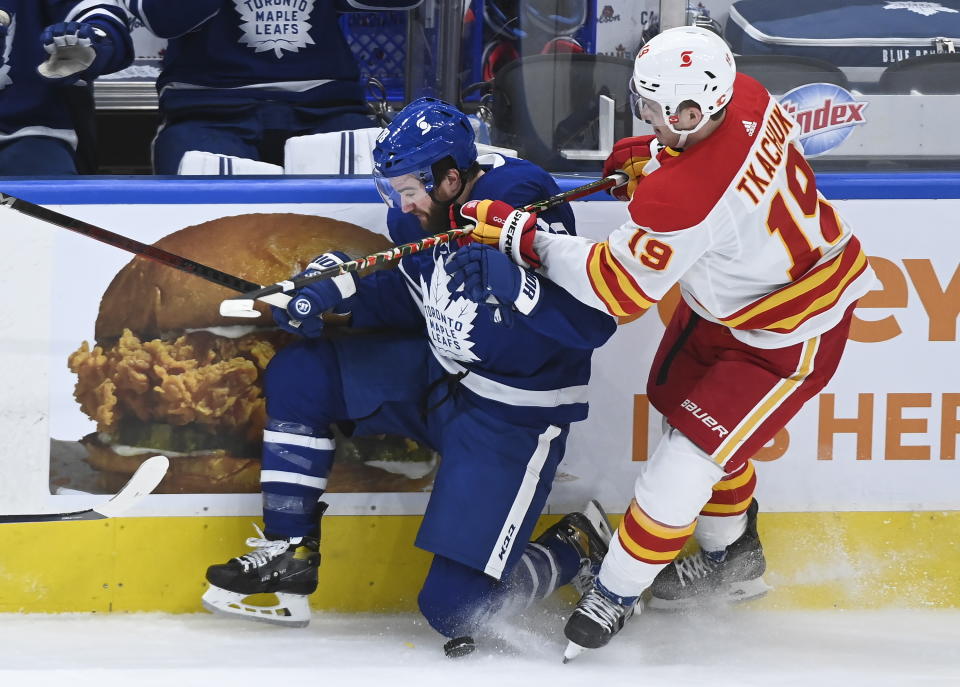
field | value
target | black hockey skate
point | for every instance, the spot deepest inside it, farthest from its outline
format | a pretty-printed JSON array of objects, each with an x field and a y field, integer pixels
[
  {"x": 702, "y": 578},
  {"x": 597, "y": 618},
  {"x": 589, "y": 533},
  {"x": 286, "y": 568}
]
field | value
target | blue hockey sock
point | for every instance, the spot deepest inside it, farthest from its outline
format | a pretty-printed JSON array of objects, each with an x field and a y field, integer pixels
[
  {"x": 293, "y": 475},
  {"x": 542, "y": 569},
  {"x": 567, "y": 559}
]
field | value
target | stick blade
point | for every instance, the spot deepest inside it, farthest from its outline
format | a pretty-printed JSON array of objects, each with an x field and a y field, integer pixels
[
  {"x": 144, "y": 481},
  {"x": 238, "y": 307}
]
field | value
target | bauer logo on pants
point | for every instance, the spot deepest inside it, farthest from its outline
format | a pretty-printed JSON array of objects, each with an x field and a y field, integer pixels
[{"x": 827, "y": 115}]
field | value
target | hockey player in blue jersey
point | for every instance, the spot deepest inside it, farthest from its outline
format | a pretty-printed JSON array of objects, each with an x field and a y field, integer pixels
[
  {"x": 241, "y": 76},
  {"x": 492, "y": 386},
  {"x": 49, "y": 51}
]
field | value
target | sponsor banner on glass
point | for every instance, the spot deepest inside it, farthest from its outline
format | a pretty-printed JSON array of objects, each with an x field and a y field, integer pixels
[{"x": 827, "y": 115}]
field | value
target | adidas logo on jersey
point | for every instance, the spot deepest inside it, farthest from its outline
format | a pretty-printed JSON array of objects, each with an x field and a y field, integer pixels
[{"x": 751, "y": 127}]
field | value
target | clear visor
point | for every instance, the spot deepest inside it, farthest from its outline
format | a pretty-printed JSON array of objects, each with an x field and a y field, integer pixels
[
  {"x": 649, "y": 111},
  {"x": 636, "y": 101},
  {"x": 405, "y": 191}
]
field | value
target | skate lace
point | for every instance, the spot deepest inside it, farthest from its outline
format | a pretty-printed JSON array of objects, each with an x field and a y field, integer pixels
[
  {"x": 600, "y": 609},
  {"x": 265, "y": 550},
  {"x": 694, "y": 568}
]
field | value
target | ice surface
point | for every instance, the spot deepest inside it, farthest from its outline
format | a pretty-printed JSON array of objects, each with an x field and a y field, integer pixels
[{"x": 741, "y": 647}]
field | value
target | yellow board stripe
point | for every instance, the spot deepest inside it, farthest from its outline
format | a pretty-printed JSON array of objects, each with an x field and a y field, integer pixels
[
  {"x": 770, "y": 402},
  {"x": 111, "y": 570}
]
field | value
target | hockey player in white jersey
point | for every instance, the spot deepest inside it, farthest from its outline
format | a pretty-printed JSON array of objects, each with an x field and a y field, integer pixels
[{"x": 722, "y": 201}]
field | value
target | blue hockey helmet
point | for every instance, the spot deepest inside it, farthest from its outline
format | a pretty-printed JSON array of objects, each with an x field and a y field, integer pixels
[{"x": 423, "y": 133}]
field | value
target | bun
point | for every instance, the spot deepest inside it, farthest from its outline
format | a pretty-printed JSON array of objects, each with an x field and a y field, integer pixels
[
  {"x": 151, "y": 298},
  {"x": 217, "y": 472}
]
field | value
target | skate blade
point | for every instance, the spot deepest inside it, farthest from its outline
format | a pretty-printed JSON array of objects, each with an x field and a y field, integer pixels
[
  {"x": 731, "y": 594},
  {"x": 291, "y": 610},
  {"x": 572, "y": 651},
  {"x": 598, "y": 518}
]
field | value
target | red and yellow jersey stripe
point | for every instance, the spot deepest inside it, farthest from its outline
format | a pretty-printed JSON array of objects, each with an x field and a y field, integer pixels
[
  {"x": 815, "y": 292},
  {"x": 613, "y": 284}
]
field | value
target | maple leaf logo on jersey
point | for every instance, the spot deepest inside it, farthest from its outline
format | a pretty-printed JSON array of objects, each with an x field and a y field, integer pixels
[
  {"x": 449, "y": 317},
  {"x": 275, "y": 25},
  {"x": 751, "y": 127},
  {"x": 925, "y": 8}
]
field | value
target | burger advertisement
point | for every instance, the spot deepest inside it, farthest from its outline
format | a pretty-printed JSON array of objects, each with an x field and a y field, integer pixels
[{"x": 159, "y": 371}]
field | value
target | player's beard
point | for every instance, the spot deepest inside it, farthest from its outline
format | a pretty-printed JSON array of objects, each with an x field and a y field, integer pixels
[{"x": 437, "y": 219}]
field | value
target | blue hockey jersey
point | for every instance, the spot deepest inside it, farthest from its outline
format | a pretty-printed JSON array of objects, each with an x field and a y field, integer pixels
[
  {"x": 244, "y": 51},
  {"x": 29, "y": 104},
  {"x": 532, "y": 367}
]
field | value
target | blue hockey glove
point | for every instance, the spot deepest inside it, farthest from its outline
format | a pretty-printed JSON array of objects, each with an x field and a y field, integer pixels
[
  {"x": 304, "y": 313},
  {"x": 77, "y": 51},
  {"x": 482, "y": 271}
]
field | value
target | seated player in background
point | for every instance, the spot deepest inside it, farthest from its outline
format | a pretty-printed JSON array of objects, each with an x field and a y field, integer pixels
[
  {"x": 490, "y": 375},
  {"x": 50, "y": 51},
  {"x": 239, "y": 78},
  {"x": 723, "y": 202}
]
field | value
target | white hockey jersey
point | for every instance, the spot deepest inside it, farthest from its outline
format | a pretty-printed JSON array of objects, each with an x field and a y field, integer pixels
[{"x": 737, "y": 220}]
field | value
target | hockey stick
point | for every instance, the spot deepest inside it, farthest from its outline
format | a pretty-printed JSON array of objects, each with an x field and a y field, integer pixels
[
  {"x": 243, "y": 305},
  {"x": 132, "y": 246},
  {"x": 144, "y": 480}
]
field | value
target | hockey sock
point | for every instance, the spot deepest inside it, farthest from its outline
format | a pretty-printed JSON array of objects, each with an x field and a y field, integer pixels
[
  {"x": 541, "y": 570},
  {"x": 296, "y": 462},
  {"x": 565, "y": 558},
  {"x": 639, "y": 550},
  {"x": 732, "y": 495},
  {"x": 459, "y": 600},
  {"x": 723, "y": 518}
]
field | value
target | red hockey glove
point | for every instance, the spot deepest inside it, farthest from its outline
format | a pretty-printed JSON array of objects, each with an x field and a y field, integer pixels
[
  {"x": 499, "y": 225},
  {"x": 629, "y": 155}
]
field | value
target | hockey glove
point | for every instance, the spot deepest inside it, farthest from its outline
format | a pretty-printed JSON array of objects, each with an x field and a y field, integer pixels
[
  {"x": 629, "y": 155},
  {"x": 77, "y": 51},
  {"x": 304, "y": 313},
  {"x": 499, "y": 225},
  {"x": 482, "y": 271}
]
